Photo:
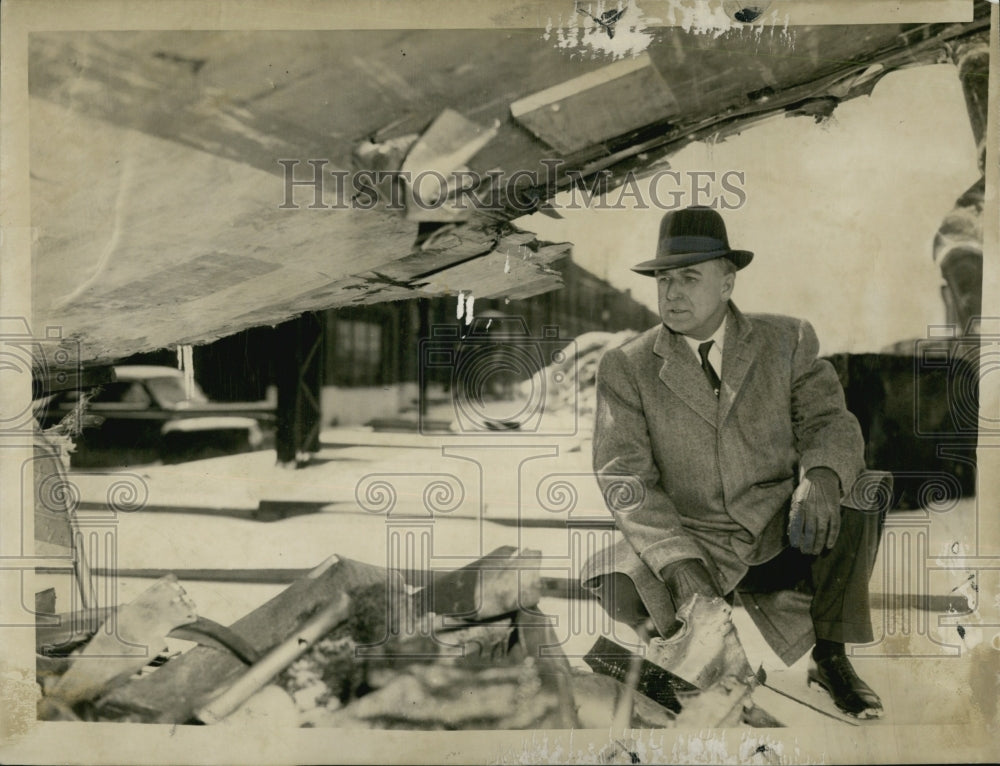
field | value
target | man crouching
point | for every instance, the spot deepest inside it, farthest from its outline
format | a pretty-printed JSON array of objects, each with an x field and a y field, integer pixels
[{"x": 751, "y": 468}]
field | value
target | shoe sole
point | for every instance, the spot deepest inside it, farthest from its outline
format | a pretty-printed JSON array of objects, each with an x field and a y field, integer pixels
[{"x": 867, "y": 714}]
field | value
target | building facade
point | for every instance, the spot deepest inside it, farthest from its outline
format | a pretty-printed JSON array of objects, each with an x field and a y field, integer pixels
[
  {"x": 372, "y": 360},
  {"x": 370, "y": 356}
]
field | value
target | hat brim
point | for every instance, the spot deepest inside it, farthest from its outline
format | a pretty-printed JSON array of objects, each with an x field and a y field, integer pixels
[{"x": 740, "y": 258}]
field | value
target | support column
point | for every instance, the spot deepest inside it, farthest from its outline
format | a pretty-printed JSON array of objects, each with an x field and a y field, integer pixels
[{"x": 299, "y": 376}]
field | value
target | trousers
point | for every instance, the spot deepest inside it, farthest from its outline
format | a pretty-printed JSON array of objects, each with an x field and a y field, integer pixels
[{"x": 831, "y": 589}]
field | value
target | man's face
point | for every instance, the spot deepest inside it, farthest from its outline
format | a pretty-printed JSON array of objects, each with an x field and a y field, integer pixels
[{"x": 693, "y": 299}]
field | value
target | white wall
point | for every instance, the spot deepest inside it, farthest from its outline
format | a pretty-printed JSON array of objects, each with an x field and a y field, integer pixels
[{"x": 356, "y": 406}]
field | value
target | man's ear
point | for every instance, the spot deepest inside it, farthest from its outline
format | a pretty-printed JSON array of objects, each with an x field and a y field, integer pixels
[{"x": 728, "y": 282}]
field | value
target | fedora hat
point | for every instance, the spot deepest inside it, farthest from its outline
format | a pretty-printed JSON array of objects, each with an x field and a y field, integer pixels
[{"x": 689, "y": 236}]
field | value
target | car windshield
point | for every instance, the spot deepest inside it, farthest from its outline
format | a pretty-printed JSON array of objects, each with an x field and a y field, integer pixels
[{"x": 169, "y": 391}]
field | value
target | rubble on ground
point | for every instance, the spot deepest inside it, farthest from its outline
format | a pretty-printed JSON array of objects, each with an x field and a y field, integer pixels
[{"x": 465, "y": 651}]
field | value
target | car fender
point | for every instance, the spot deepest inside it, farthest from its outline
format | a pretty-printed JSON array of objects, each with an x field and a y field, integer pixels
[{"x": 216, "y": 423}]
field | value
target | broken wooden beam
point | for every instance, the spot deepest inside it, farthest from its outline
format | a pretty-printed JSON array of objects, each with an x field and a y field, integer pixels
[
  {"x": 501, "y": 582},
  {"x": 173, "y": 692},
  {"x": 129, "y": 639},
  {"x": 276, "y": 660}
]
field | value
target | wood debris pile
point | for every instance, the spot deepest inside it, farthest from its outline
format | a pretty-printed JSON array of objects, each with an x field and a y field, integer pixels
[
  {"x": 397, "y": 665},
  {"x": 358, "y": 646}
]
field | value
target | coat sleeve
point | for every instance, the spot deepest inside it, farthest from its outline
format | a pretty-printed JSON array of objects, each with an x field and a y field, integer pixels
[
  {"x": 826, "y": 433},
  {"x": 627, "y": 472}
]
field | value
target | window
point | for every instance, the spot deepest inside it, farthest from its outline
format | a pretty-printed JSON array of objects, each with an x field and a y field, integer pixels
[
  {"x": 355, "y": 353},
  {"x": 169, "y": 391}
]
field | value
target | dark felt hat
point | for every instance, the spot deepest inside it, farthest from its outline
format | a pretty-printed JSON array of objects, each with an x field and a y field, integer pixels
[{"x": 689, "y": 236}]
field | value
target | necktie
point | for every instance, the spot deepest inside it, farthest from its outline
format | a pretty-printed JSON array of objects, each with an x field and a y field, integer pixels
[{"x": 706, "y": 365}]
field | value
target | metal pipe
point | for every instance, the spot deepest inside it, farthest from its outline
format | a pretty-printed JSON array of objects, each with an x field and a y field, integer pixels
[{"x": 276, "y": 660}]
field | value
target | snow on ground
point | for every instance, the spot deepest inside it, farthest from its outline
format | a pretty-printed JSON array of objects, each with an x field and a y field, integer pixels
[{"x": 519, "y": 494}]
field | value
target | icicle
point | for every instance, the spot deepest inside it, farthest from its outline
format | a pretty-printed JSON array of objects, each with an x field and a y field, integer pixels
[
  {"x": 186, "y": 357},
  {"x": 468, "y": 308},
  {"x": 506, "y": 264},
  {"x": 461, "y": 305}
]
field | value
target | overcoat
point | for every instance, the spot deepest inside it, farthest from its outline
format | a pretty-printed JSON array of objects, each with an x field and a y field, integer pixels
[{"x": 687, "y": 475}]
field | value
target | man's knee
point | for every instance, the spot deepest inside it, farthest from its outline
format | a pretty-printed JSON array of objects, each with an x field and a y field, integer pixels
[
  {"x": 868, "y": 500},
  {"x": 862, "y": 526},
  {"x": 620, "y": 599}
]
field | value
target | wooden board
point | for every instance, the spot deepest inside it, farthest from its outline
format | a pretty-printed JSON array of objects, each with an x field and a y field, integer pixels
[
  {"x": 811, "y": 701},
  {"x": 789, "y": 711},
  {"x": 174, "y": 691}
]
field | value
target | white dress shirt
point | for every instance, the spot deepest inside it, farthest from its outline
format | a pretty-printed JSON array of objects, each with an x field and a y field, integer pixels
[{"x": 715, "y": 352}]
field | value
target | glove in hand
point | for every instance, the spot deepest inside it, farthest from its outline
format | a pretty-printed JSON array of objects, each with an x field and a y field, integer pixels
[
  {"x": 814, "y": 519},
  {"x": 686, "y": 578}
]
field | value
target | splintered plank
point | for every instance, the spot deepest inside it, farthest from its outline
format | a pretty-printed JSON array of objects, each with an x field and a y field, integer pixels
[
  {"x": 496, "y": 275},
  {"x": 503, "y": 581},
  {"x": 174, "y": 691},
  {"x": 789, "y": 711},
  {"x": 139, "y": 631},
  {"x": 458, "y": 259},
  {"x": 811, "y": 702}
]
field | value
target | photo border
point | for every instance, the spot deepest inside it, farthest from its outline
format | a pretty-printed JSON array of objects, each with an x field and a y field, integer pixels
[{"x": 125, "y": 743}]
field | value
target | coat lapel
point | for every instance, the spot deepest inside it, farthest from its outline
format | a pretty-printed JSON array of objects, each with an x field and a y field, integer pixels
[
  {"x": 739, "y": 350},
  {"x": 683, "y": 375}
]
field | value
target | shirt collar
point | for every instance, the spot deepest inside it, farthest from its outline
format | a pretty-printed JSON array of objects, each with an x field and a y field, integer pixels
[{"x": 717, "y": 338}]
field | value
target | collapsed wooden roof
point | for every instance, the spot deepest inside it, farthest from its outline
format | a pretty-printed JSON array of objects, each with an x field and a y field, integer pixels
[{"x": 159, "y": 198}]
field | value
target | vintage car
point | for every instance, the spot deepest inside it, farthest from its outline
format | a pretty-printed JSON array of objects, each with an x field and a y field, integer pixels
[{"x": 146, "y": 415}]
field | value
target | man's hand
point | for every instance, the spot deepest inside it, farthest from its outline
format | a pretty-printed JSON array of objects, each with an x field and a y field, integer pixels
[
  {"x": 686, "y": 578},
  {"x": 814, "y": 519}
]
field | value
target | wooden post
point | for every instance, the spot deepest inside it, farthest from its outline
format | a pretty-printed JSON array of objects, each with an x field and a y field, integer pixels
[
  {"x": 299, "y": 374},
  {"x": 424, "y": 312}
]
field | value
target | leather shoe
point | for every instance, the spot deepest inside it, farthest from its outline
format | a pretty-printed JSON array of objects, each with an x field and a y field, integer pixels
[{"x": 850, "y": 694}]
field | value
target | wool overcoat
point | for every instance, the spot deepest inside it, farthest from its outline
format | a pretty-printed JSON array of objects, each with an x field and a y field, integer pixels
[{"x": 691, "y": 476}]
